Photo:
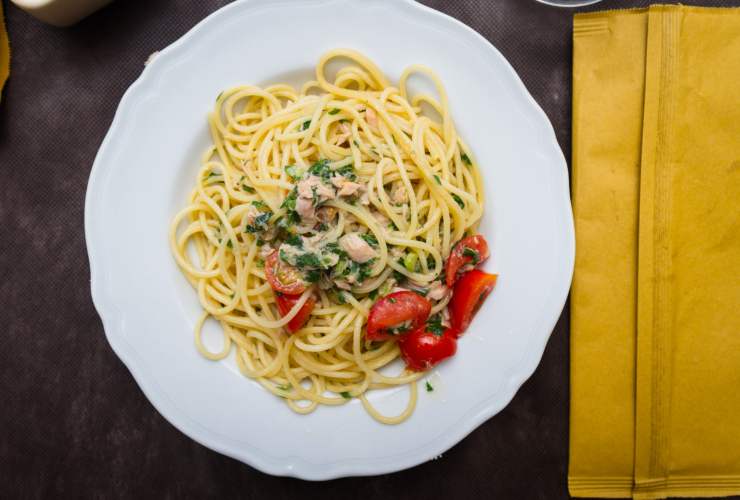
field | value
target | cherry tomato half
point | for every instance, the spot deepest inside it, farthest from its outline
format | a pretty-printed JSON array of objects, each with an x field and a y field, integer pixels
[
  {"x": 286, "y": 302},
  {"x": 422, "y": 349},
  {"x": 397, "y": 314},
  {"x": 471, "y": 250},
  {"x": 468, "y": 295},
  {"x": 283, "y": 277}
]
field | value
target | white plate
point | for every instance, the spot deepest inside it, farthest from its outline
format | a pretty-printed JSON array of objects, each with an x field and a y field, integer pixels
[{"x": 146, "y": 166}]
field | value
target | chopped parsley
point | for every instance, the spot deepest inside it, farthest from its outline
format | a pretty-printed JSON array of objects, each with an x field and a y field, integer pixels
[
  {"x": 306, "y": 124},
  {"x": 260, "y": 242},
  {"x": 321, "y": 169},
  {"x": 259, "y": 224},
  {"x": 434, "y": 325},
  {"x": 289, "y": 201},
  {"x": 469, "y": 252},
  {"x": 346, "y": 395},
  {"x": 229, "y": 244},
  {"x": 458, "y": 200},
  {"x": 313, "y": 275},
  {"x": 260, "y": 204},
  {"x": 248, "y": 189},
  {"x": 212, "y": 174},
  {"x": 334, "y": 247},
  {"x": 361, "y": 271},
  {"x": 392, "y": 300},
  {"x": 466, "y": 159},
  {"x": 436, "y": 178},
  {"x": 354, "y": 141},
  {"x": 347, "y": 171},
  {"x": 334, "y": 111},
  {"x": 429, "y": 386},
  {"x": 294, "y": 240},
  {"x": 373, "y": 294},
  {"x": 370, "y": 239}
]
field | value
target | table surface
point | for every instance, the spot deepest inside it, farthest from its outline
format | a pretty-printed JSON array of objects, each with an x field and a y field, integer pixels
[{"x": 73, "y": 421}]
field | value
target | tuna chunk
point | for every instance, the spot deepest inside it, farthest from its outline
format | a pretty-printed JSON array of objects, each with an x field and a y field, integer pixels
[{"x": 358, "y": 249}]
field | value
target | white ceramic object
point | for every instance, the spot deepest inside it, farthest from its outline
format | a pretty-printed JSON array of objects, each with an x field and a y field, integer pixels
[
  {"x": 569, "y": 3},
  {"x": 146, "y": 167},
  {"x": 60, "y": 12}
]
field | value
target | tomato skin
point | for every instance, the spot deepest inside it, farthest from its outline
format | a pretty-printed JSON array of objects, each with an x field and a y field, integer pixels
[
  {"x": 286, "y": 302},
  {"x": 422, "y": 349},
  {"x": 275, "y": 271},
  {"x": 394, "y": 309},
  {"x": 458, "y": 259},
  {"x": 468, "y": 295}
]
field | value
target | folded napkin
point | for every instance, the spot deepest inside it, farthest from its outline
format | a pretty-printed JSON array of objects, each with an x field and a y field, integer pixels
[
  {"x": 4, "y": 51},
  {"x": 655, "y": 352}
]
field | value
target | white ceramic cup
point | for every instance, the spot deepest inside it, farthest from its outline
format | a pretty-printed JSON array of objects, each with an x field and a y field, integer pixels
[{"x": 60, "y": 12}]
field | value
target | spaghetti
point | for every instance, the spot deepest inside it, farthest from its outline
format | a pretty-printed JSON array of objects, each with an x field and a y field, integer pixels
[{"x": 346, "y": 190}]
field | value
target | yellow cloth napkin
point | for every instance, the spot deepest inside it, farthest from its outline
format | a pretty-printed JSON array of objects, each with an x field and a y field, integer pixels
[
  {"x": 655, "y": 405},
  {"x": 4, "y": 51}
]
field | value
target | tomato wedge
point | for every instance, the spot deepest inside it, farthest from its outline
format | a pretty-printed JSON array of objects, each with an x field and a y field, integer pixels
[
  {"x": 286, "y": 302},
  {"x": 468, "y": 295},
  {"x": 397, "y": 314},
  {"x": 469, "y": 251},
  {"x": 283, "y": 278},
  {"x": 422, "y": 349}
]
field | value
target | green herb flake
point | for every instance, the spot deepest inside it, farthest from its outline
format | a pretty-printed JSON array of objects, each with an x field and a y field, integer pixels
[
  {"x": 458, "y": 200},
  {"x": 219, "y": 95},
  {"x": 373, "y": 294},
  {"x": 429, "y": 386},
  {"x": 466, "y": 159},
  {"x": 290, "y": 200},
  {"x": 260, "y": 242},
  {"x": 294, "y": 240},
  {"x": 354, "y": 141},
  {"x": 285, "y": 387},
  {"x": 259, "y": 224},
  {"x": 334, "y": 111},
  {"x": 248, "y": 189},
  {"x": 229, "y": 244},
  {"x": 307, "y": 260},
  {"x": 370, "y": 239},
  {"x": 436, "y": 178},
  {"x": 306, "y": 124},
  {"x": 321, "y": 169},
  {"x": 260, "y": 204},
  {"x": 469, "y": 252},
  {"x": 313, "y": 276},
  {"x": 392, "y": 300},
  {"x": 345, "y": 395},
  {"x": 434, "y": 325}
]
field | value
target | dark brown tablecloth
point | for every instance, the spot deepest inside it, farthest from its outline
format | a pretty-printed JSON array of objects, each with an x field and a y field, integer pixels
[{"x": 73, "y": 422}]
